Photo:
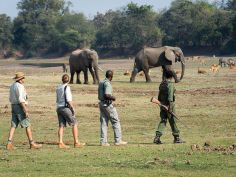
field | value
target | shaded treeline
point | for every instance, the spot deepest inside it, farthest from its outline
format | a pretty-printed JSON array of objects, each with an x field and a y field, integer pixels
[{"x": 50, "y": 27}]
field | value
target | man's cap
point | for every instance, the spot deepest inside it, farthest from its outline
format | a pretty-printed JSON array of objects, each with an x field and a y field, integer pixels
[{"x": 19, "y": 76}]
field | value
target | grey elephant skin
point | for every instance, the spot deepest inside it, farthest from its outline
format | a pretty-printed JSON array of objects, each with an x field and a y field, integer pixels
[
  {"x": 84, "y": 60},
  {"x": 154, "y": 57},
  {"x": 223, "y": 62}
]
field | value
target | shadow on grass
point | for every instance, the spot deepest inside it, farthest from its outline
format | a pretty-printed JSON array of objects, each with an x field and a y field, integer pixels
[{"x": 43, "y": 65}]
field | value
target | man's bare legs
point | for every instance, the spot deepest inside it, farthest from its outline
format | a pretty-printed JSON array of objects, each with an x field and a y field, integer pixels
[{"x": 75, "y": 133}]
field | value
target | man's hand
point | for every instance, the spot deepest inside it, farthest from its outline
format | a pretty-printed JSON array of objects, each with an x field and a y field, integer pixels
[
  {"x": 73, "y": 111},
  {"x": 109, "y": 97},
  {"x": 26, "y": 114},
  {"x": 177, "y": 81},
  {"x": 25, "y": 109},
  {"x": 71, "y": 107}
]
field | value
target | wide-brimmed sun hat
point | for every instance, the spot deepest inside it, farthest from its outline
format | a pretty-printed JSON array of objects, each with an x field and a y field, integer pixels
[{"x": 19, "y": 76}]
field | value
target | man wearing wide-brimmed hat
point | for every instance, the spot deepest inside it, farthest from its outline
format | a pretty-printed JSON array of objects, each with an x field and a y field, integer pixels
[{"x": 20, "y": 115}]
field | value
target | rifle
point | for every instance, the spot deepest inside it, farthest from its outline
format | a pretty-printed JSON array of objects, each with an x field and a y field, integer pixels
[{"x": 156, "y": 101}]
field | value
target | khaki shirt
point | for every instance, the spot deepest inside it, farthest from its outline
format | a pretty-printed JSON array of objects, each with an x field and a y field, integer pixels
[{"x": 104, "y": 88}]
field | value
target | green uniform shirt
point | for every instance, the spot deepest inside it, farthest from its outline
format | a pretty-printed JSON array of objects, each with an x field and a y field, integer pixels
[
  {"x": 104, "y": 88},
  {"x": 166, "y": 92}
]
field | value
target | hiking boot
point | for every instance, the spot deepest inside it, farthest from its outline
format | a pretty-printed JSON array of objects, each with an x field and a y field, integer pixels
[
  {"x": 105, "y": 144},
  {"x": 35, "y": 146},
  {"x": 121, "y": 143},
  {"x": 63, "y": 146},
  {"x": 9, "y": 146},
  {"x": 79, "y": 145},
  {"x": 157, "y": 140},
  {"x": 178, "y": 140}
]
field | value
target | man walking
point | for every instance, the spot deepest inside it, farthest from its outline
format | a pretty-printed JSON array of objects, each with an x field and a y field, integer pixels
[
  {"x": 108, "y": 111},
  {"x": 166, "y": 97},
  {"x": 66, "y": 113},
  {"x": 20, "y": 114}
]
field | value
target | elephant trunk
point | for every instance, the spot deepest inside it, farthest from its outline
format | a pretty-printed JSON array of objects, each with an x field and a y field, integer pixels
[
  {"x": 96, "y": 73},
  {"x": 183, "y": 69}
]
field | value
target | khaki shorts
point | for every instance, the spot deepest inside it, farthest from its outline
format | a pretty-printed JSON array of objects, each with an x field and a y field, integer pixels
[
  {"x": 18, "y": 117},
  {"x": 65, "y": 116}
]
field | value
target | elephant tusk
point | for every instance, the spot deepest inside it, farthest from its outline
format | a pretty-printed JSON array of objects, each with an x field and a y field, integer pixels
[{"x": 100, "y": 68}]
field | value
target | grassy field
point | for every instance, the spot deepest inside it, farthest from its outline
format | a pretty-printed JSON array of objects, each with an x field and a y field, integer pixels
[{"x": 205, "y": 103}]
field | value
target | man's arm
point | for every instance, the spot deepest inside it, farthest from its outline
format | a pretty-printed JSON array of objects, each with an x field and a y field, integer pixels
[
  {"x": 24, "y": 106},
  {"x": 69, "y": 99},
  {"x": 71, "y": 107},
  {"x": 108, "y": 92},
  {"x": 19, "y": 92},
  {"x": 171, "y": 96},
  {"x": 109, "y": 97}
]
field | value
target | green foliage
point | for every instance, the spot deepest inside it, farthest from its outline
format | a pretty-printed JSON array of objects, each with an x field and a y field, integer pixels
[
  {"x": 79, "y": 24},
  {"x": 6, "y": 36},
  {"x": 205, "y": 103},
  {"x": 197, "y": 24},
  {"x": 132, "y": 28},
  {"x": 48, "y": 26},
  {"x": 43, "y": 27}
]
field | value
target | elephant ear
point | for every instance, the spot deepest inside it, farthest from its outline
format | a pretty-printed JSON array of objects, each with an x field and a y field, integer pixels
[{"x": 170, "y": 55}]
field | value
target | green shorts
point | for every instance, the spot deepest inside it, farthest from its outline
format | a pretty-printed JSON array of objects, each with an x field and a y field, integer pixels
[{"x": 18, "y": 117}]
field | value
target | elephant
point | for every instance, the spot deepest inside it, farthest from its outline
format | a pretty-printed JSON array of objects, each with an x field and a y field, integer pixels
[
  {"x": 82, "y": 60},
  {"x": 223, "y": 62},
  {"x": 164, "y": 56}
]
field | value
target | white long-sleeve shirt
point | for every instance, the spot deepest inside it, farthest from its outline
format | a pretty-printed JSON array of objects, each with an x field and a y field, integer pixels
[
  {"x": 60, "y": 95},
  {"x": 17, "y": 94}
]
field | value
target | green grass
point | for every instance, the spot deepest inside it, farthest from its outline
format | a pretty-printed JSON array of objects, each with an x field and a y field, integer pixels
[{"x": 205, "y": 104}]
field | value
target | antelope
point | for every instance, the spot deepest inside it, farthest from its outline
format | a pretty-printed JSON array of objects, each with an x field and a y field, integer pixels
[
  {"x": 215, "y": 68},
  {"x": 127, "y": 73}
]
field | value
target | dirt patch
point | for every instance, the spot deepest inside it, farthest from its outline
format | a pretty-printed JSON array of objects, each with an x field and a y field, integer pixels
[
  {"x": 95, "y": 105},
  {"x": 226, "y": 150},
  {"x": 206, "y": 91},
  {"x": 158, "y": 161}
]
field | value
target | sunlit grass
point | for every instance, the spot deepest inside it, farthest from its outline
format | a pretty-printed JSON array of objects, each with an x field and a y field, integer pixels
[{"x": 205, "y": 104}]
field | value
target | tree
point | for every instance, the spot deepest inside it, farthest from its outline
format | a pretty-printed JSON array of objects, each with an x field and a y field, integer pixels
[
  {"x": 36, "y": 17},
  {"x": 6, "y": 36},
  {"x": 77, "y": 23},
  {"x": 130, "y": 29}
]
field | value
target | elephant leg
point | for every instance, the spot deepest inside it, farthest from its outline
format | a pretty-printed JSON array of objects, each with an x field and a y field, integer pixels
[
  {"x": 71, "y": 76},
  {"x": 93, "y": 75},
  {"x": 86, "y": 76},
  {"x": 169, "y": 69},
  {"x": 133, "y": 75},
  {"x": 78, "y": 78},
  {"x": 147, "y": 76}
]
